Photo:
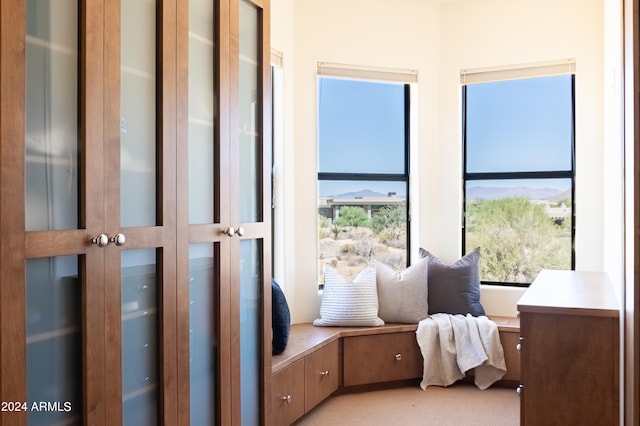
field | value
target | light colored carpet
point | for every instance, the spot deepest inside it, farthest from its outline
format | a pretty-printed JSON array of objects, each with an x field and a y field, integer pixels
[{"x": 458, "y": 405}]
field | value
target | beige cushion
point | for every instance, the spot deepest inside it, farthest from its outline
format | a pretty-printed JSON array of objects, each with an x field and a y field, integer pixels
[{"x": 402, "y": 296}]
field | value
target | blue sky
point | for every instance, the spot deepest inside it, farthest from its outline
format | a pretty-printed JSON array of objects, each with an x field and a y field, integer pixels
[
  {"x": 519, "y": 125},
  {"x": 361, "y": 126},
  {"x": 512, "y": 126},
  {"x": 361, "y": 130}
]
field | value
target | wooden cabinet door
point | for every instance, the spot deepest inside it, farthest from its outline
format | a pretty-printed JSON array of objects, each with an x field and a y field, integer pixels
[
  {"x": 250, "y": 208},
  {"x": 322, "y": 374},
  {"x": 52, "y": 288},
  {"x": 570, "y": 369},
  {"x": 223, "y": 208},
  {"x": 287, "y": 398},
  {"x": 134, "y": 200},
  {"x": 88, "y": 297}
]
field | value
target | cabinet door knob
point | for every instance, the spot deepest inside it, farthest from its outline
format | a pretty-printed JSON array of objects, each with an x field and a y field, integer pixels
[
  {"x": 398, "y": 357},
  {"x": 324, "y": 374},
  {"x": 101, "y": 240},
  {"x": 286, "y": 399},
  {"x": 518, "y": 347},
  {"x": 519, "y": 389},
  {"x": 118, "y": 239},
  {"x": 231, "y": 231}
]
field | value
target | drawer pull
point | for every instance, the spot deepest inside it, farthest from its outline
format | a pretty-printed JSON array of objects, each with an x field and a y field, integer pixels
[
  {"x": 286, "y": 399},
  {"x": 324, "y": 374},
  {"x": 398, "y": 357}
]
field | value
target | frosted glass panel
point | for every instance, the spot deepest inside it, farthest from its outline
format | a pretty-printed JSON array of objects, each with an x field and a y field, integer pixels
[
  {"x": 250, "y": 113},
  {"x": 202, "y": 71},
  {"x": 140, "y": 338},
  {"x": 54, "y": 340},
  {"x": 51, "y": 168},
  {"x": 203, "y": 335},
  {"x": 250, "y": 329},
  {"x": 138, "y": 113}
]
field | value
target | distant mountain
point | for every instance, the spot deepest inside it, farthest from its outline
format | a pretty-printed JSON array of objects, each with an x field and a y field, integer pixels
[
  {"x": 494, "y": 193},
  {"x": 362, "y": 193},
  {"x": 561, "y": 196}
]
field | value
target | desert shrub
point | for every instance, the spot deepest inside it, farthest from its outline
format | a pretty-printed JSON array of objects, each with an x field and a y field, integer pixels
[
  {"x": 352, "y": 216},
  {"x": 392, "y": 219},
  {"x": 517, "y": 239},
  {"x": 323, "y": 222}
]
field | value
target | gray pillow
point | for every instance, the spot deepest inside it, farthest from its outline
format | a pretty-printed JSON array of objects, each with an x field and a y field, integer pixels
[
  {"x": 454, "y": 289},
  {"x": 402, "y": 296}
]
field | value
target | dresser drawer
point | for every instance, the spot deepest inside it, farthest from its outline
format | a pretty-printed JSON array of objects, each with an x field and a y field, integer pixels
[
  {"x": 287, "y": 394},
  {"x": 510, "y": 341},
  {"x": 381, "y": 358}
]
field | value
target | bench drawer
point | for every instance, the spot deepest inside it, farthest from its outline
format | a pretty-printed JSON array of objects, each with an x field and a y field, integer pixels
[
  {"x": 322, "y": 375},
  {"x": 287, "y": 394},
  {"x": 381, "y": 358}
]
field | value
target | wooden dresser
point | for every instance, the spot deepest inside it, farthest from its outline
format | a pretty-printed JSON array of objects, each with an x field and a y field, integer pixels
[{"x": 569, "y": 336}]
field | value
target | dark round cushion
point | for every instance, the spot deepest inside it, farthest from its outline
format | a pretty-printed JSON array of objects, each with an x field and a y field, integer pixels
[{"x": 280, "y": 319}]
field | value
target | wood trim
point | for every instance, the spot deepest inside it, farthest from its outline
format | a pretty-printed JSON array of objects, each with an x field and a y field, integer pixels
[
  {"x": 632, "y": 372},
  {"x": 110, "y": 219},
  {"x": 227, "y": 373},
  {"x": 167, "y": 136},
  {"x": 266, "y": 234},
  {"x": 92, "y": 214},
  {"x": 56, "y": 243},
  {"x": 183, "y": 371},
  {"x": 12, "y": 222},
  {"x": 631, "y": 369},
  {"x": 232, "y": 65}
]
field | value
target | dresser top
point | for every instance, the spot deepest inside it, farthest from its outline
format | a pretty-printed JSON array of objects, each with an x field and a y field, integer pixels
[{"x": 571, "y": 293}]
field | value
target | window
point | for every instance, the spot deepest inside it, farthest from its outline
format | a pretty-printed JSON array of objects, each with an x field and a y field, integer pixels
[
  {"x": 519, "y": 176},
  {"x": 277, "y": 160},
  {"x": 363, "y": 174}
]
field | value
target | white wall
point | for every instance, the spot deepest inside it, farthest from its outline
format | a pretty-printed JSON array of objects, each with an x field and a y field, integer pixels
[
  {"x": 438, "y": 40},
  {"x": 613, "y": 140},
  {"x": 282, "y": 40}
]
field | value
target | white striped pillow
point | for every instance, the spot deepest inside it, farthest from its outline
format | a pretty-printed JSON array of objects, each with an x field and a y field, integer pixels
[{"x": 349, "y": 303}]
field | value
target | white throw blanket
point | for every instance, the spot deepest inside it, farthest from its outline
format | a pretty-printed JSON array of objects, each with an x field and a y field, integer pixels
[{"x": 453, "y": 344}]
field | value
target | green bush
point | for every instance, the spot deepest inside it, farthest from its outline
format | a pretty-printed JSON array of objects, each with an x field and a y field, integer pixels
[
  {"x": 352, "y": 216},
  {"x": 517, "y": 239},
  {"x": 390, "y": 219}
]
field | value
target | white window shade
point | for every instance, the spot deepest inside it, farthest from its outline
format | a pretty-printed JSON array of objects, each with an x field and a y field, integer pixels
[
  {"x": 512, "y": 72},
  {"x": 276, "y": 58},
  {"x": 327, "y": 69}
]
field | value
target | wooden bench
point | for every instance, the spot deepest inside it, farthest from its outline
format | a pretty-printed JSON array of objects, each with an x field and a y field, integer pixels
[{"x": 320, "y": 361}]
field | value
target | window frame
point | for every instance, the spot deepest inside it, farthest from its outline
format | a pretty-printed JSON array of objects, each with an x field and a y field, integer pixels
[
  {"x": 277, "y": 147},
  {"x": 378, "y": 177},
  {"x": 529, "y": 175}
]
